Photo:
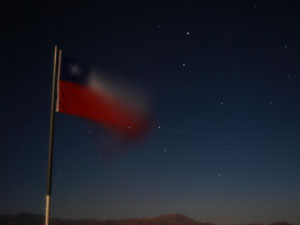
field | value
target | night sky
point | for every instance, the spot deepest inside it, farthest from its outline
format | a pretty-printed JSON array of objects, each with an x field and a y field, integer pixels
[{"x": 225, "y": 138}]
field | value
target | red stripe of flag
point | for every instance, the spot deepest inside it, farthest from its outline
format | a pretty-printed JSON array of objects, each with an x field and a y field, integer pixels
[{"x": 82, "y": 101}]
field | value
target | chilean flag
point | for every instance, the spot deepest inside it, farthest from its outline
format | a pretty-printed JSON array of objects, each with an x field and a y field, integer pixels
[{"x": 89, "y": 94}]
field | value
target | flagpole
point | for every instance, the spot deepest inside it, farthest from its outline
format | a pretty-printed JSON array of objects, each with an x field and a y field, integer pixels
[{"x": 51, "y": 135}]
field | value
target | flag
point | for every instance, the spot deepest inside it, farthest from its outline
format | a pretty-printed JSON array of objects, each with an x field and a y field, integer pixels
[{"x": 83, "y": 92}]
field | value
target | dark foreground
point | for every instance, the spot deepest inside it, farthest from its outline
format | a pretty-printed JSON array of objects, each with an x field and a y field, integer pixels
[{"x": 175, "y": 219}]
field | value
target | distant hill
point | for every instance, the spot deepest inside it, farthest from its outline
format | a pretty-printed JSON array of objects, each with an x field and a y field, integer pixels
[
  {"x": 280, "y": 223},
  {"x": 30, "y": 219},
  {"x": 173, "y": 219}
]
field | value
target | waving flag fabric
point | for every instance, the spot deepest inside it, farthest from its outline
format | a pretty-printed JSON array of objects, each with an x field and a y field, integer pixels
[{"x": 85, "y": 93}]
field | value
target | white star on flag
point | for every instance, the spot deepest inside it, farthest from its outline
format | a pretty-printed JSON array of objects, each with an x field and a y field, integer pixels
[{"x": 75, "y": 69}]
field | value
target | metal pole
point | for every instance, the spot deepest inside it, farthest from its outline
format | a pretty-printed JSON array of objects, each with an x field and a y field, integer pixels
[
  {"x": 58, "y": 79},
  {"x": 50, "y": 154}
]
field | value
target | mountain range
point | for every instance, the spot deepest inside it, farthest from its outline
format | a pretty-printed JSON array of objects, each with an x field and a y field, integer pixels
[{"x": 173, "y": 219}]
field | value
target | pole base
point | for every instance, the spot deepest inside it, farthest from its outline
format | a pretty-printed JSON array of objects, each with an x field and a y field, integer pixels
[{"x": 47, "y": 210}]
